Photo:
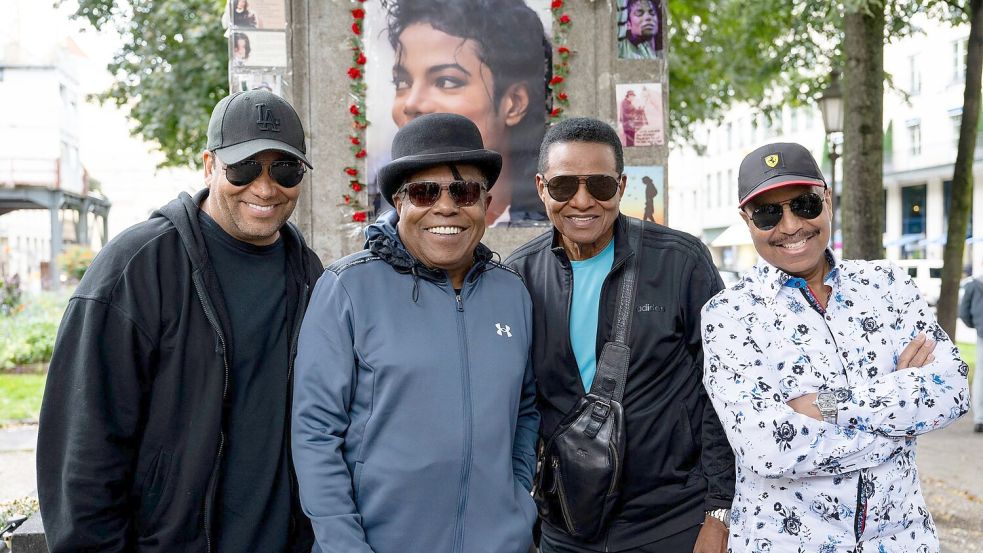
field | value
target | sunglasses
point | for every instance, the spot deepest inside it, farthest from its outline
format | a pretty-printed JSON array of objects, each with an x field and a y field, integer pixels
[
  {"x": 287, "y": 174},
  {"x": 465, "y": 193},
  {"x": 806, "y": 206},
  {"x": 564, "y": 187}
]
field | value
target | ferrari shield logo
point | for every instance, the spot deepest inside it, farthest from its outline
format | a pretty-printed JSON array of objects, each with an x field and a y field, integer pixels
[{"x": 771, "y": 161}]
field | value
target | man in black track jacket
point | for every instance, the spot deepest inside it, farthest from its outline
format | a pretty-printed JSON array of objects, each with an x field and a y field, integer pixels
[
  {"x": 166, "y": 412},
  {"x": 678, "y": 479}
]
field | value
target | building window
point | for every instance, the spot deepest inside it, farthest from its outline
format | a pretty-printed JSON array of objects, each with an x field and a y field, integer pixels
[
  {"x": 947, "y": 205},
  {"x": 914, "y": 138},
  {"x": 959, "y": 60},
  {"x": 914, "y": 75},
  {"x": 955, "y": 119},
  {"x": 913, "y": 209}
]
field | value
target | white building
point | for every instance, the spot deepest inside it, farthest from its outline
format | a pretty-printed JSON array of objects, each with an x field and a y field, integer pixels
[{"x": 921, "y": 118}]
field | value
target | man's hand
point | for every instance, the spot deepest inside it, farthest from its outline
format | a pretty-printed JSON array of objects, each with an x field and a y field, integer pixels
[
  {"x": 806, "y": 405},
  {"x": 712, "y": 538},
  {"x": 917, "y": 353}
]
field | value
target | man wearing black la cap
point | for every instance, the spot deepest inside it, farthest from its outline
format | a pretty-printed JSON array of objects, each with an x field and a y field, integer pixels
[
  {"x": 823, "y": 372},
  {"x": 165, "y": 417}
]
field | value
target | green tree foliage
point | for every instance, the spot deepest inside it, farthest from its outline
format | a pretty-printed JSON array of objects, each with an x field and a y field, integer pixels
[{"x": 171, "y": 70}]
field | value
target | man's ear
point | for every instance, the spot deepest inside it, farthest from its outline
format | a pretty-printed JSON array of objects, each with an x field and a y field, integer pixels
[
  {"x": 488, "y": 199},
  {"x": 623, "y": 185},
  {"x": 208, "y": 160},
  {"x": 541, "y": 187},
  {"x": 744, "y": 215},
  {"x": 514, "y": 104}
]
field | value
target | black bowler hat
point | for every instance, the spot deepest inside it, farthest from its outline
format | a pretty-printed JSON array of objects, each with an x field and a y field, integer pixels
[
  {"x": 436, "y": 139},
  {"x": 774, "y": 166}
]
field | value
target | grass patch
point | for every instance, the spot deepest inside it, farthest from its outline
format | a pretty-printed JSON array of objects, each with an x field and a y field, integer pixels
[
  {"x": 967, "y": 350},
  {"x": 20, "y": 397}
]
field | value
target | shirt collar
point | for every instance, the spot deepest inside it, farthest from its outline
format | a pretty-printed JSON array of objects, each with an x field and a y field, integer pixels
[{"x": 771, "y": 280}]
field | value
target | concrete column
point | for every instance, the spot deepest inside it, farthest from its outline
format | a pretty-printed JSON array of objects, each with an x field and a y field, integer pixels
[{"x": 56, "y": 245}]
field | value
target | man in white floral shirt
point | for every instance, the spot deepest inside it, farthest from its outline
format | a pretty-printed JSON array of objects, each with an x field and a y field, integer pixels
[{"x": 823, "y": 372}]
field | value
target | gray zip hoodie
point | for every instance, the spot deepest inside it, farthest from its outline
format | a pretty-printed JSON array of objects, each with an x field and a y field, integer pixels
[{"x": 414, "y": 423}]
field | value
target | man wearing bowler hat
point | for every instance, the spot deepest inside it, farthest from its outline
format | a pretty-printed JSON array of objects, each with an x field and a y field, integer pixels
[
  {"x": 414, "y": 425},
  {"x": 165, "y": 415},
  {"x": 823, "y": 372}
]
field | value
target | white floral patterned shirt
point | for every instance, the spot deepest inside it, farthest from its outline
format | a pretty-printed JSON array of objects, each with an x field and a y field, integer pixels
[{"x": 809, "y": 486}]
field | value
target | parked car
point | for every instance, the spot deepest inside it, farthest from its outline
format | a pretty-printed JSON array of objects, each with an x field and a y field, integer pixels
[
  {"x": 730, "y": 277},
  {"x": 927, "y": 276}
]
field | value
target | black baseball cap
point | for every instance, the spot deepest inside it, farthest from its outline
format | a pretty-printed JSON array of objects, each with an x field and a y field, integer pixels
[
  {"x": 774, "y": 166},
  {"x": 246, "y": 123}
]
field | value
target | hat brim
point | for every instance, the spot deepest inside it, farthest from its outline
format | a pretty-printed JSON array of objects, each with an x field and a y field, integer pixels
[
  {"x": 238, "y": 152},
  {"x": 392, "y": 175},
  {"x": 781, "y": 181}
]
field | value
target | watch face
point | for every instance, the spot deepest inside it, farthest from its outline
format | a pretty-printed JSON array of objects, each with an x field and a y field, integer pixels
[{"x": 826, "y": 402}]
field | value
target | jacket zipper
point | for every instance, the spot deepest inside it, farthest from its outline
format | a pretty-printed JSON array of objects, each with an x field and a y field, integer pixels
[
  {"x": 212, "y": 483},
  {"x": 466, "y": 386}
]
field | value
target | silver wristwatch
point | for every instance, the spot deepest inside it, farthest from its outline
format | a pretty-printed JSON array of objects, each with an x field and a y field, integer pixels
[
  {"x": 827, "y": 403},
  {"x": 723, "y": 515}
]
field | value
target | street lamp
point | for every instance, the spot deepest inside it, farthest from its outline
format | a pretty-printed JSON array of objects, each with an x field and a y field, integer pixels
[{"x": 831, "y": 104}]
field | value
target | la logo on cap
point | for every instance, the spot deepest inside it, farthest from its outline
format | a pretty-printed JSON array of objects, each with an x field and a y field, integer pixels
[
  {"x": 265, "y": 120},
  {"x": 771, "y": 161}
]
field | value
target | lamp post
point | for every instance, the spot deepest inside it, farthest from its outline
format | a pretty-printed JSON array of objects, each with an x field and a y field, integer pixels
[{"x": 831, "y": 105}]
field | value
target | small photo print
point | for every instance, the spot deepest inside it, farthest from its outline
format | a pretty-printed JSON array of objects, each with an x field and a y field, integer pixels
[
  {"x": 645, "y": 194},
  {"x": 258, "y": 80},
  {"x": 640, "y": 114},
  {"x": 259, "y": 48},
  {"x": 257, "y": 14},
  {"x": 640, "y": 29}
]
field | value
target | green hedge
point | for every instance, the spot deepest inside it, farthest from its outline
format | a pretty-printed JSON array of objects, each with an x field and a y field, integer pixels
[{"x": 28, "y": 336}]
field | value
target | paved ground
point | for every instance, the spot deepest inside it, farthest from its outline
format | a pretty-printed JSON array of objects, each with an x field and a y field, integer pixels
[{"x": 950, "y": 461}]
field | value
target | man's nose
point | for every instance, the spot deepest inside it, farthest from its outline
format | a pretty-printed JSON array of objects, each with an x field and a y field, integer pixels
[
  {"x": 583, "y": 198},
  {"x": 416, "y": 102},
  {"x": 790, "y": 223}
]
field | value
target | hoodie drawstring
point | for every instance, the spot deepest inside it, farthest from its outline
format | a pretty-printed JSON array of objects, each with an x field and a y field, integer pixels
[{"x": 416, "y": 284}]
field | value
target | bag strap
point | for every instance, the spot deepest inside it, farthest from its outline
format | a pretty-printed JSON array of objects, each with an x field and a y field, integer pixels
[{"x": 612, "y": 365}]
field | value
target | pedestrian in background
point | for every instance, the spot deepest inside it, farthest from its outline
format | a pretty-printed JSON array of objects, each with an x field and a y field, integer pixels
[{"x": 971, "y": 313}]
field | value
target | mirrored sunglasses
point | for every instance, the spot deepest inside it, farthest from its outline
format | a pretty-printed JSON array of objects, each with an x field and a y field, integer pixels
[
  {"x": 564, "y": 187},
  {"x": 287, "y": 174},
  {"x": 806, "y": 206},
  {"x": 465, "y": 193}
]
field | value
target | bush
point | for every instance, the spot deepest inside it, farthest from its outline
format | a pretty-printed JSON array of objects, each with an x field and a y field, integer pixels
[
  {"x": 74, "y": 261},
  {"x": 28, "y": 337},
  {"x": 9, "y": 295}
]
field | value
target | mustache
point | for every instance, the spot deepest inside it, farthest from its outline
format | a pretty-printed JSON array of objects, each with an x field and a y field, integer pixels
[{"x": 798, "y": 236}]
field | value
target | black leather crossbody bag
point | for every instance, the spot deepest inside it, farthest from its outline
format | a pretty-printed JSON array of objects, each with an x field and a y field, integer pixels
[{"x": 579, "y": 481}]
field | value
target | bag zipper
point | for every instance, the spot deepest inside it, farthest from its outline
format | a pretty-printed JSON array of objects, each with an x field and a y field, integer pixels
[{"x": 563, "y": 496}]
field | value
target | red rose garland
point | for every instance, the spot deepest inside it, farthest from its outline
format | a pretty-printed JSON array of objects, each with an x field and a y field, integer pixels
[
  {"x": 356, "y": 75},
  {"x": 561, "y": 60}
]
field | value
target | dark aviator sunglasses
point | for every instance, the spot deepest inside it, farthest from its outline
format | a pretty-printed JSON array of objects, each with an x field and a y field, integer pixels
[
  {"x": 806, "y": 206},
  {"x": 286, "y": 173},
  {"x": 464, "y": 193},
  {"x": 563, "y": 188}
]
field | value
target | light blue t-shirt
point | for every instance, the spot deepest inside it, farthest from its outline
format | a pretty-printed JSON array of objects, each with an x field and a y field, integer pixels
[{"x": 588, "y": 276}]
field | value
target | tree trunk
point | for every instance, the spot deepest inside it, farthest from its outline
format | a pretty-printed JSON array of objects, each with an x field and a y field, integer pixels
[
  {"x": 862, "y": 207},
  {"x": 962, "y": 176}
]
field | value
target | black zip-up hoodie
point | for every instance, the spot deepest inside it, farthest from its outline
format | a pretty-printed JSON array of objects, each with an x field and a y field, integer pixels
[
  {"x": 678, "y": 462},
  {"x": 131, "y": 432}
]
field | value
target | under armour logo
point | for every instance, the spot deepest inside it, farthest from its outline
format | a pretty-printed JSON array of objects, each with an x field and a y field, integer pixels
[
  {"x": 503, "y": 330},
  {"x": 265, "y": 120},
  {"x": 645, "y": 308}
]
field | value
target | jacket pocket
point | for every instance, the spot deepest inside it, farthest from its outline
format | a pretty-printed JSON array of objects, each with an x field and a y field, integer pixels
[
  {"x": 357, "y": 478},
  {"x": 687, "y": 454},
  {"x": 154, "y": 486}
]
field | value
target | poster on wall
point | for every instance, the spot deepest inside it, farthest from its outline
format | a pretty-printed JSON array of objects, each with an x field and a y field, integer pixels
[
  {"x": 256, "y": 14},
  {"x": 640, "y": 29},
  {"x": 640, "y": 114},
  {"x": 488, "y": 61},
  {"x": 258, "y": 80},
  {"x": 259, "y": 48},
  {"x": 645, "y": 194}
]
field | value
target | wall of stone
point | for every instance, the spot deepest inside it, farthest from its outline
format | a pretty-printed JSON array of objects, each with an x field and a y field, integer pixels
[{"x": 319, "y": 56}]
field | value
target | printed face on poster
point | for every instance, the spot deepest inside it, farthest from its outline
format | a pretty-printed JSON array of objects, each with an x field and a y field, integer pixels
[
  {"x": 640, "y": 114},
  {"x": 645, "y": 194},
  {"x": 257, "y": 14},
  {"x": 484, "y": 59},
  {"x": 640, "y": 29},
  {"x": 259, "y": 48}
]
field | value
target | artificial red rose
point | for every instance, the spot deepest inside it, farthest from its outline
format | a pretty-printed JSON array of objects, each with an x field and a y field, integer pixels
[
  {"x": 556, "y": 80},
  {"x": 356, "y": 186},
  {"x": 562, "y": 96},
  {"x": 358, "y": 13},
  {"x": 355, "y": 140},
  {"x": 354, "y": 110},
  {"x": 361, "y": 59},
  {"x": 356, "y": 28},
  {"x": 563, "y": 50},
  {"x": 564, "y": 19},
  {"x": 347, "y": 198},
  {"x": 354, "y": 72},
  {"x": 556, "y": 112},
  {"x": 358, "y": 217},
  {"x": 360, "y": 154},
  {"x": 351, "y": 171},
  {"x": 557, "y": 4}
]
